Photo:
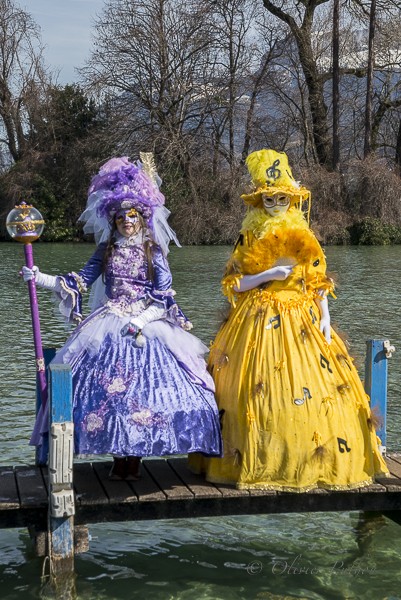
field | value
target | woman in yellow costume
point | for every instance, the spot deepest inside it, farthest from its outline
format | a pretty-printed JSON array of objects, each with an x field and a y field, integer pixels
[{"x": 295, "y": 415}]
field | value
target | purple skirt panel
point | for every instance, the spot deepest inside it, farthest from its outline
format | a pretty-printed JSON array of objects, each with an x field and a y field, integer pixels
[{"x": 150, "y": 401}]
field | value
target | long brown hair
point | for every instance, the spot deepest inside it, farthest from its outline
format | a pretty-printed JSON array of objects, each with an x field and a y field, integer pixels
[{"x": 148, "y": 247}]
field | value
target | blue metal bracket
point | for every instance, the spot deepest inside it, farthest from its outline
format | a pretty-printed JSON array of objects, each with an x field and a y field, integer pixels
[{"x": 377, "y": 354}]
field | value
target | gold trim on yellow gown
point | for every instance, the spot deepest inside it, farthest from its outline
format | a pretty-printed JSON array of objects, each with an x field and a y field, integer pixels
[{"x": 296, "y": 415}]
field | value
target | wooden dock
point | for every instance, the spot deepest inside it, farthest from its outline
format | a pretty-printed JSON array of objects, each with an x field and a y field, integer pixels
[
  {"x": 58, "y": 501},
  {"x": 168, "y": 490}
]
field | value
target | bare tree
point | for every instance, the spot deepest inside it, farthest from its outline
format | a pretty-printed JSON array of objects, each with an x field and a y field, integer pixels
[
  {"x": 152, "y": 57},
  {"x": 369, "y": 79},
  {"x": 336, "y": 83},
  {"x": 379, "y": 67},
  {"x": 240, "y": 52},
  {"x": 23, "y": 78},
  {"x": 269, "y": 49},
  {"x": 299, "y": 18},
  {"x": 184, "y": 76}
]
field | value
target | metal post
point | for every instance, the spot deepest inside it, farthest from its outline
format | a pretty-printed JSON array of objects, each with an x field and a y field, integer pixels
[
  {"x": 61, "y": 493},
  {"x": 41, "y": 454},
  {"x": 377, "y": 354}
]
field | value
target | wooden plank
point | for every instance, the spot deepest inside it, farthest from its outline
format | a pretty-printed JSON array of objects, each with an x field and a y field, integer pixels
[
  {"x": 99, "y": 499},
  {"x": 167, "y": 479},
  {"x": 395, "y": 457},
  {"x": 196, "y": 483},
  {"x": 373, "y": 487},
  {"x": 117, "y": 491},
  {"x": 392, "y": 483},
  {"x": 146, "y": 489},
  {"x": 31, "y": 488},
  {"x": 151, "y": 504},
  {"x": 394, "y": 468},
  {"x": 88, "y": 490},
  {"x": 229, "y": 491},
  {"x": 8, "y": 489}
]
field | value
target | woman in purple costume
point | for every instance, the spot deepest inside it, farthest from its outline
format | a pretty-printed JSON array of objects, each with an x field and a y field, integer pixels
[{"x": 139, "y": 377}]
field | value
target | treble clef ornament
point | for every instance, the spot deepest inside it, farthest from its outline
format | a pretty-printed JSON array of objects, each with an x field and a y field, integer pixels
[{"x": 273, "y": 172}]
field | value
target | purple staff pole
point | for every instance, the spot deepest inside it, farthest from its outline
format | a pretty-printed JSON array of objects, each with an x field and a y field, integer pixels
[
  {"x": 25, "y": 224},
  {"x": 37, "y": 338}
]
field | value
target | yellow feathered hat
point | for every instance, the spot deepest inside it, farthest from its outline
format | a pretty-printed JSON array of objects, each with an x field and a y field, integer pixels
[{"x": 271, "y": 174}]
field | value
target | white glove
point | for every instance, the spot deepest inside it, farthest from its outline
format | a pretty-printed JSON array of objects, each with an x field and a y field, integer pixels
[
  {"x": 324, "y": 324},
  {"x": 135, "y": 326},
  {"x": 27, "y": 274},
  {"x": 248, "y": 282},
  {"x": 152, "y": 313},
  {"x": 41, "y": 279}
]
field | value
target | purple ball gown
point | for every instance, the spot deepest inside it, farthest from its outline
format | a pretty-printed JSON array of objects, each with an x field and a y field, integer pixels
[{"x": 139, "y": 401}]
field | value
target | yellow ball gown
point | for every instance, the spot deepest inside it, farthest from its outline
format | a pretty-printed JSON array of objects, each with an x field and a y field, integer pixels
[{"x": 296, "y": 415}]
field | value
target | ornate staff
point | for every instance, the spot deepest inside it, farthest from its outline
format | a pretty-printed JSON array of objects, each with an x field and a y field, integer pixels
[{"x": 25, "y": 224}]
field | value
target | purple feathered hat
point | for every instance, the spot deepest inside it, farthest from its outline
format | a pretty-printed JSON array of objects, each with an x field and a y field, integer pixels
[
  {"x": 120, "y": 180},
  {"x": 124, "y": 184}
]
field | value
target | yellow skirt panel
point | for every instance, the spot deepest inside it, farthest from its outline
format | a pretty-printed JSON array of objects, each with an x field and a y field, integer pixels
[{"x": 296, "y": 415}]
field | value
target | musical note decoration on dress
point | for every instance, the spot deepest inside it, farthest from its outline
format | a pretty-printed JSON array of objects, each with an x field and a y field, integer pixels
[
  {"x": 324, "y": 363},
  {"x": 342, "y": 445},
  {"x": 276, "y": 320},
  {"x": 306, "y": 396}
]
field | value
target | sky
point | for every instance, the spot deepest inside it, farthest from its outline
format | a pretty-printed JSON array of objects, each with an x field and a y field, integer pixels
[{"x": 66, "y": 30}]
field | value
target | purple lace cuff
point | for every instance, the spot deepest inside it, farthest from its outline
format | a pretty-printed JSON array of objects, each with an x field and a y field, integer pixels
[
  {"x": 174, "y": 313},
  {"x": 164, "y": 297},
  {"x": 70, "y": 296}
]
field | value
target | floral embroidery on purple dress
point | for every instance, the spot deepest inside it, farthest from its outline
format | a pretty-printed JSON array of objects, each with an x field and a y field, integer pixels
[{"x": 144, "y": 401}]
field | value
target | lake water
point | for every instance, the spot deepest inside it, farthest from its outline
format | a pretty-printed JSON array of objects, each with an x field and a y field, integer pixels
[{"x": 310, "y": 556}]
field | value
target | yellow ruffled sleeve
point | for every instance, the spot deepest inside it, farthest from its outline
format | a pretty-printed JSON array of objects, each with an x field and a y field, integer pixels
[
  {"x": 316, "y": 276},
  {"x": 228, "y": 283}
]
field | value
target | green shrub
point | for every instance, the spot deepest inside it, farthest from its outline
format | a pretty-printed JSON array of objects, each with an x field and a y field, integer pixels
[{"x": 373, "y": 232}]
